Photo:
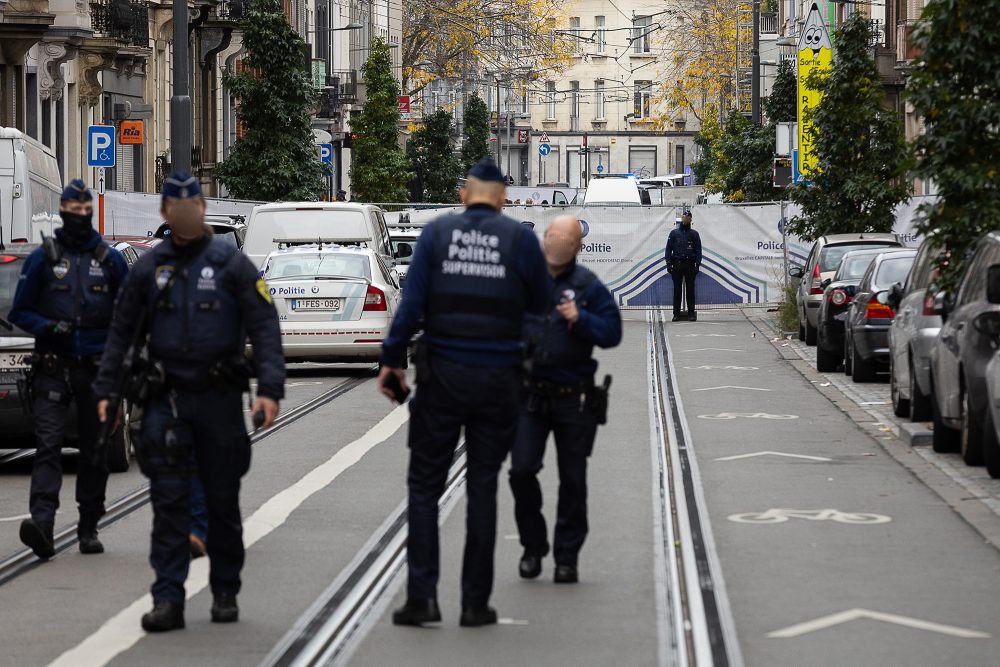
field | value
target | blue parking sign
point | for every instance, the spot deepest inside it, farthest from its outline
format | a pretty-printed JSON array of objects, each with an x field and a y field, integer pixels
[
  {"x": 326, "y": 153},
  {"x": 101, "y": 146}
]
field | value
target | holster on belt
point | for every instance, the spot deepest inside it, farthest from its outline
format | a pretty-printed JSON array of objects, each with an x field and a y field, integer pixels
[{"x": 422, "y": 360}]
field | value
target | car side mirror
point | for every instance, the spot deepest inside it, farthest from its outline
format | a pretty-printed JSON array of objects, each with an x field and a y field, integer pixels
[
  {"x": 993, "y": 284},
  {"x": 826, "y": 283},
  {"x": 895, "y": 296},
  {"x": 942, "y": 304},
  {"x": 796, "y": 272},
  {"x": 988, "y": 324},
  {"x": 404, "y": 250}
]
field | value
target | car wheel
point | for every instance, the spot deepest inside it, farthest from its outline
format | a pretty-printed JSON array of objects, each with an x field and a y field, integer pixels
[
  {"x": 861, "y": 370},
  {"x": 900, "y": 406},
  {"x": 810, "y": 334},
  {"x": 826, "y": 361},
  {"x": 848, "y": 357},
  {"x": 944, "y": 439},
  {"x": 920, "y": 403},
  {"x": 120, "y": 446},
  {"x": 971, "y": 434},
  {"x": 991, "y": 446}
]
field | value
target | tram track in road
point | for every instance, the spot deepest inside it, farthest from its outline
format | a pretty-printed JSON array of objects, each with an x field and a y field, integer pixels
[
  {"x": 696, "y": 606},
  {"x": 335, "y": 624},
  {"x": 24, "y": 560}
]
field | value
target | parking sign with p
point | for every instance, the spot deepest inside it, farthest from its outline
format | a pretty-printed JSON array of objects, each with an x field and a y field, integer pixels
[{"x": 101, "y": 146}]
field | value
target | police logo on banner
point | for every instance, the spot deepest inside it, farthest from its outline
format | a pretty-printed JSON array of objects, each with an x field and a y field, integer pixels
[
  {"x": 162, "y": 275},
  {"x": 61, "y": 268}
]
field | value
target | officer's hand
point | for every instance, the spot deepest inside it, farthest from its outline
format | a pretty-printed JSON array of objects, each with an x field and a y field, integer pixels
[
  {"x": 383, "y": 376},
  {"x": 569, "y": 311},
  {"x": 270, "y": 408},
  {"x": 102, "y": 410},
  {"x": 60, "y": 327}
]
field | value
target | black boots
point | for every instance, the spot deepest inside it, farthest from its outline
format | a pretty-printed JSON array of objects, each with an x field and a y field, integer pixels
[
  {"x": 530, "y": 566},
  {"x": 417, "y": 612},
  {"x": 166, "y": 616},
  {"x": 38, "y": 537},
  {"x": 566, "y": 574},
  {"x": 474, "y": 617},
  {"x": 86, "y": 533},
  {"x": 224, "y": 609}
]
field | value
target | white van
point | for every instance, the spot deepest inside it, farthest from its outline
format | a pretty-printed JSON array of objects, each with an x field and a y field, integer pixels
[
  {"x": 298, "y": 223},
  {"x": 621, "y": 190},
  {"x": 30, "y": 188}
]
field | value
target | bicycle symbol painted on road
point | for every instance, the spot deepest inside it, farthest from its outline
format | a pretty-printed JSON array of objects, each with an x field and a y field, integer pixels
[
  {"x": 721, "y": 368},
  {"x": 783, "y": 515},
  {"x": 747, "y": 415}
]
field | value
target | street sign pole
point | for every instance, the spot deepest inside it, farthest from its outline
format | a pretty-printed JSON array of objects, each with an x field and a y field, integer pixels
[
  {"x": 100, "y": 200},
  {"x": 180, "y": 102}
]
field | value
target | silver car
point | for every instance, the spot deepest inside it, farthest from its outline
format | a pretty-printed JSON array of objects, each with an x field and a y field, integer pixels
[
  {"x": 990, "y": 323},
  {"x": 912, "y": 336},
  {"x": 821, "y": 266}
]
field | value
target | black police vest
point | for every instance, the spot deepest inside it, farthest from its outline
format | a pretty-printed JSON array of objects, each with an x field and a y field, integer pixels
[
  {"x": 684, "y": 247},
  {"x": 78, "y": 286},
  {"x": 475, "y": 291},
  {"x": 197, "y": 318},
  {"x": 550, "y": 337}
]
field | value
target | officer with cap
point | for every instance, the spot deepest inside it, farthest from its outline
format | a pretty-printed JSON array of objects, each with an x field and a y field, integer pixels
[
  {"x": 65, "y": 297},
  {"x": 683, "y": 257},
  {"x": 201, "y": 297},
  {"x": 561, "y": 399},
  {"x": 472, "y": 278}
]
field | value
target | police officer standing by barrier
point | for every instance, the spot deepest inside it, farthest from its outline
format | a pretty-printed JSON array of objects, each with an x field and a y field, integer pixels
[
  {"x": 683, "y": 256},
  {"x": 561, "y": 398},
  {"x": 196, "y": 298},
  {"x": 65, "y": 297},
  {"x": 472, "y": 278}
]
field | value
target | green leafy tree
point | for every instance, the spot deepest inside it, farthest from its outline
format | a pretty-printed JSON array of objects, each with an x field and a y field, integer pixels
[
  {"x": 780, "y": 105},
  {"x": 431, "y": 150},
  {"x": 475, "y": 132},
  {"x": 711, "y": 130},
  {"x": 379, "y": 170},
  {"x": 743, "y": 167},
  {"x": 276, "y": 158},
  {"x": 955, "y": 88},
  {"x": 859, "y": 179}
]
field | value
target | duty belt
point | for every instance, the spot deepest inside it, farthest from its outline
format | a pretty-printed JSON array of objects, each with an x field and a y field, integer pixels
[
  {"x": 51, "y": 362},
  {"x": 553, "y": 389}
]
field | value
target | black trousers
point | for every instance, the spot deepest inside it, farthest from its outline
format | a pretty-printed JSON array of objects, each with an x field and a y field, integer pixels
[
  {"x": 574, "y": 427},
  {"x": 209, "y": 430},
  {"x": 52, "y": 395},
  {"x": 683, "y": 276},
  {"x": 483, "y": 401}
]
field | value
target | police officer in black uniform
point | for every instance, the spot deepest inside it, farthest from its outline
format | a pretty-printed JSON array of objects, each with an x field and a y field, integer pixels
[
  {"x": 561, "y": 398},
  {"x": 472, "y": 278},
  {"x": 65, "y": 297},
  {"x": 202, "y": 297},
  {"x": 683, "y": 257}
]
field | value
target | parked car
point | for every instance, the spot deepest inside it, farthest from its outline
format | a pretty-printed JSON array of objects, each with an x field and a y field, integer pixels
[
  {"x": 404, "y": 242},
  {"x": 866, "y": 329},
  {"x": 334, "y": 302},
  {"x": 988, "y": 324},
  {"x": 960, "y": 356},
  {"x": 231, "y": 229},
  {"x": 838, "y": 293},
  {"x": 912, "y": 336},
  {"x": 822, "y": 263},
  {"x": 132, "y": 247}
]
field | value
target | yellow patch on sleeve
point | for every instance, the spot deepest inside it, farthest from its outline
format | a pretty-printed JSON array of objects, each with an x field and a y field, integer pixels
[{"x": 263, "y": 290}]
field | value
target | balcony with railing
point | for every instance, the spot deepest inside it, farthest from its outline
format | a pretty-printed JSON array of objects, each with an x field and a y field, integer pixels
[
  {"x": 231, "y": 10},
  {"x": 121, "y": 20},
  {"x": 768, "y": 24},
  {"x": 906, "y": 51},
  {"x": 879, "y": 34}
]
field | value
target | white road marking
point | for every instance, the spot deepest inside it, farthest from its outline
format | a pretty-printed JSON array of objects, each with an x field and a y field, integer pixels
[
  {"x": 731, "y": 386},
  {"x": 511, "y": 621},
  {"x": 857, "y": 614},
  {"x": 747, "y": 415},
  {"x": 123, "y": 630},
  {"x": 303, "y": 384},
  {"x": 21, "y": 517},
  {"x": 783, "y": 515},
  {"x": 791, "y": 456},
  {"x": 703, "y": 335},
  {"x": 722, "y": 368},
  {"x": 712, "y": 349}
]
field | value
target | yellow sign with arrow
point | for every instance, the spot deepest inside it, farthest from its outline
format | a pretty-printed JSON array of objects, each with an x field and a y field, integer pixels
[{"x": 815, "y": 54}]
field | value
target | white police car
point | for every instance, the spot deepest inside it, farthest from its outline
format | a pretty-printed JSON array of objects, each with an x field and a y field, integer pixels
[{"x": 335, "y": 302}]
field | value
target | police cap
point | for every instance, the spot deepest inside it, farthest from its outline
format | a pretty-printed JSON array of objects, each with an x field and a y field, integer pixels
[
  {"x": 181, "y": 185},
  {"x": 76, "y": 190},
  {"x": 487, "y": 170}
]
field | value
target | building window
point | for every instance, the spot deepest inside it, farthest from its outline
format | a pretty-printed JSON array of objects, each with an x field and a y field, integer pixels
[
  {"x": 550, "y": 100},
  {"x": 574, "y": 33},
  {"x": 599, "y": 99},
  {"x": 525, "y": 101},
  {"x": 643, "y": 92},
  {"x": 642, "y": 161},
  {"x": 640, "y": 33},
  {"x": 679, "y": 159},
  {"x": 574, "y": 99},
  {"x": 601, "y": 34}
]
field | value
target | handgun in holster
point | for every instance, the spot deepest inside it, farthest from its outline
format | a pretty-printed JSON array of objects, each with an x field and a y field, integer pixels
[
  {"x": 422, "y": 360},
  {"x": 597, "y": 400}
]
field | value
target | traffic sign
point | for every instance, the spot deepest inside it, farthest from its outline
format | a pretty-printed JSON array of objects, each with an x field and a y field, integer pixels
[
  {"x": 544, "y": 139},
  {"x": 100, "y": 146},
  {"x": 326, "y": 153},
  {"x": 600, "y": 169},
  {"x": 815, "y": 53},
  {"x": 403, "y": 102},
  {"x": 544, "y": 149}
]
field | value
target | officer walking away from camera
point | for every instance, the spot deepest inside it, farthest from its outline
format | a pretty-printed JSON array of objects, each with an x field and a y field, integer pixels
[
  {"x": 197, "y": 298},
  {"x": 65, "y": 297},
  {"x": 472, "y": 279},
  {"x": 683, "y": 256},
  {"x": 561, "y": 399}
]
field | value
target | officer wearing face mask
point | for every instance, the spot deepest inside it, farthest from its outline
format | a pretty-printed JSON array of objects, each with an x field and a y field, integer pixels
[
  {"x": 561, "y": 398},
  {"x": 201, "y": 298},
  {"x": 683, "y": 257},
  {"x": 65, "y": 297}
]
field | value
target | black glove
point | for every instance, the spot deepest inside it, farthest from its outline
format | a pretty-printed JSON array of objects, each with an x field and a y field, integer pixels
[
  {"x": 59, "y": 328},
  {"x": 670, "y": 268}
]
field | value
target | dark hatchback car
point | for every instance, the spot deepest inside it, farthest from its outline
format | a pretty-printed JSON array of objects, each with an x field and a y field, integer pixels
[
  {"x": 960, "y": 357},
  {"x": 838, "y": 292},
  {"x": 866, "y": 339}
]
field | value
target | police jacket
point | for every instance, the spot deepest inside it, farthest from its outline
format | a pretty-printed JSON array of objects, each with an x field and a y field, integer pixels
[
  {"x": 78, "y": 286},
  {"x": 683, "y": 245},
  {"x": 471, "y": 280},
  {"x": 562, "y": 351},
  {"x": 203, "y": 299}
]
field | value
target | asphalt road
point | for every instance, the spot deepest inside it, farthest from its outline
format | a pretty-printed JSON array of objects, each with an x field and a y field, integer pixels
[{"x": 742, "y": 511}]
